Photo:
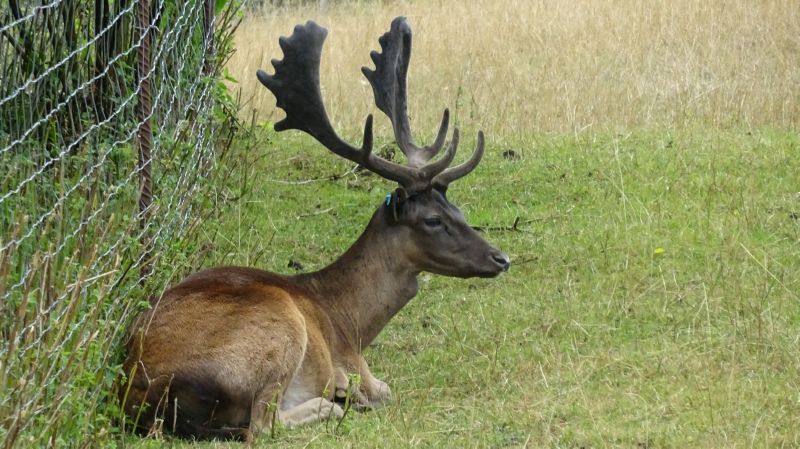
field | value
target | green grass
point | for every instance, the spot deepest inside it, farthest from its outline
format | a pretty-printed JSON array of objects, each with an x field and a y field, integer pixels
[{"x": 653, "y": 301}]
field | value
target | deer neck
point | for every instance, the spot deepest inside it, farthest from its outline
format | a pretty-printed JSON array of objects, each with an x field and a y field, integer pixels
[{"x": 365, "y": 287}]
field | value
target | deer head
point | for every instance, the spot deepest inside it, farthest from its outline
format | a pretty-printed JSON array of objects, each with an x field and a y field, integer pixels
[{"x": 435, "y": 234}]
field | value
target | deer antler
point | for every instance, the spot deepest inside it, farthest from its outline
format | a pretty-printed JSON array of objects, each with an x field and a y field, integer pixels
[
  {"x": 296, "y": 87},
  {"x": 442, "y": 180},
  {"x": 388, "y": 82}
]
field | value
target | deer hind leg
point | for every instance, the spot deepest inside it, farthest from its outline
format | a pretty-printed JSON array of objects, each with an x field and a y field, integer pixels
[
  {"x": 312, "y": 410},
  {"x": 262, "y": 412},
  {"x": 266, "y": 403}
]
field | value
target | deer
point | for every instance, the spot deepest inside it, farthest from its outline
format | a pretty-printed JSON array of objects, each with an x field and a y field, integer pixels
[{"x": 231, "y": 351}]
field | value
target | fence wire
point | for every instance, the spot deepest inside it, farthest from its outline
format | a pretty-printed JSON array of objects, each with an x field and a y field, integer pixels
[{"x": 75, "y": 248}]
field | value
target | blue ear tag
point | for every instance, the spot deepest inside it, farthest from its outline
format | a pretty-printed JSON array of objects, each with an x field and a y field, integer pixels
[{"x": 388, "y": 198}]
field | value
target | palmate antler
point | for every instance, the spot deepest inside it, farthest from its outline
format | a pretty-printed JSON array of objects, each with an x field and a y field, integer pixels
[{"x": 296, "y": 86}]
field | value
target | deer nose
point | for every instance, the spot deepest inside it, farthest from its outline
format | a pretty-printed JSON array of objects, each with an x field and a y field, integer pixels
[{"x": 501, "y": 260}]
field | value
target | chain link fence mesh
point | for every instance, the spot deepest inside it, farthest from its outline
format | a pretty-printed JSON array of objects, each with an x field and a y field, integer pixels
[{"x": 90, "y": 200}]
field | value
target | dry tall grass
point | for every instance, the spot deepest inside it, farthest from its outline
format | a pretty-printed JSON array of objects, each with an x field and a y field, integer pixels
[{"x": 516, "y": 66}]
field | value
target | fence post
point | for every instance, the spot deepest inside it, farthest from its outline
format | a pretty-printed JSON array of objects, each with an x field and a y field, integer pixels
[
  {"x": 208, "y": 35},
  {"x": 144, "y": 109}
]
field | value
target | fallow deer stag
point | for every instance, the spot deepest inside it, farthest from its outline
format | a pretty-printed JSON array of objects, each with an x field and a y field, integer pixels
[{"x": 229, "y": 350}]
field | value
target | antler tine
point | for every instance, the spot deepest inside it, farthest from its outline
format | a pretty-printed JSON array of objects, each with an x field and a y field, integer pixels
[
  {"x": 388, "y": 82},
  {"x": 296, "y": 87},
  {"x": 437, "y": 144},
  {"x": 444, "y": 179},
  {"x": 430, "y": 171}
]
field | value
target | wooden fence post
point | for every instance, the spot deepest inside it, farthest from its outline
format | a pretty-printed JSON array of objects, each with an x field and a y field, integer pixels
[{"x": 144, "y": 109}]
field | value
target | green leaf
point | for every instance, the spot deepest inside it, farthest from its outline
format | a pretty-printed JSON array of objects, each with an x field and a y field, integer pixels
[{"x": 227, "y": 76}]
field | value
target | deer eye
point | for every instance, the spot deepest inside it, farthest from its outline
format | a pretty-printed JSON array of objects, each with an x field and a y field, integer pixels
[{"x": 433, "y": 222}]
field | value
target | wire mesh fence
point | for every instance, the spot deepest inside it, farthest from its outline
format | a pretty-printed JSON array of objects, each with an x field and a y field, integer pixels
[{"x": 109, "y": 120}]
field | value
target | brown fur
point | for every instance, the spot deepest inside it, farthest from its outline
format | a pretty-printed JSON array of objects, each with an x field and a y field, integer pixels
[
  {"x": 213, "y": 352},
  {"x": 228, "y": 350}
]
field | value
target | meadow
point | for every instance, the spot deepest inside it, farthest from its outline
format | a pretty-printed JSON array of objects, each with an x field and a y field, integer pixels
[
  {"x": 513, "y": 67},
  {"x": 642, "y": 173}
]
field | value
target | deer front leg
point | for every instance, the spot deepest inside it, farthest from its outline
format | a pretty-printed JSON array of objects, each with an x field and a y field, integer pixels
[
  {"x": 312, "y": 410},
  {"x": 371, "y": 393}
]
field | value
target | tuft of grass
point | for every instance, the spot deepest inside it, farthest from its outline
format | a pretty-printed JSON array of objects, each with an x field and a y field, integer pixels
[
  {"x": 516, "y": 66},
  {"x": 652, "y": 301}
]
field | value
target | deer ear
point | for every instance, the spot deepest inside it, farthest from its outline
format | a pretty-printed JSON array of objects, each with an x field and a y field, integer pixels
[{"x": 396, "y": 202}]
